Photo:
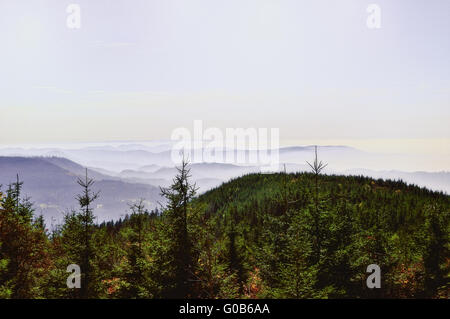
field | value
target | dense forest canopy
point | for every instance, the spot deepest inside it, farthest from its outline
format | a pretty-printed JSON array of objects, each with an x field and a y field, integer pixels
[{"x": 279, "y": 235}]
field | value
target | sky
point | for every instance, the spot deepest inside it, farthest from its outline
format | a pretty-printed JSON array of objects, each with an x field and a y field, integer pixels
[{"x": 138, "y": 69}]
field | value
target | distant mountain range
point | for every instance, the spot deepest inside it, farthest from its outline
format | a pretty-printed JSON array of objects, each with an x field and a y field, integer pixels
[
  {"x": 117, "y": 158},
  {"x": 126, "y": 172},
  {"x": 51, "y": 184}
]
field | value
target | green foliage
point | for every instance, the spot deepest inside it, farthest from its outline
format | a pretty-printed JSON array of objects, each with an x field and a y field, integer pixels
[
  {"x": 23, "y": 247},
  {"x": 178, "y": 197},
  {"x": 303, "y": 235},
  {"x": 360, "y": 221}
]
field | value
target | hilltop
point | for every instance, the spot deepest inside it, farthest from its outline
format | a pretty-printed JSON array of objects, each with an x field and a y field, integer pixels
[{"x": 298, "y": 239}]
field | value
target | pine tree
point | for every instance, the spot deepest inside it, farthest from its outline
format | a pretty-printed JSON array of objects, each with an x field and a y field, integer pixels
[
  {"x": 436, "y": 250},
  {"x": 135, "y": 234},
  {"x": 86, "y": 217},
  {"x": 178, "y": 196},
  {"x": 24, "y": 245},
  {"x": 317, "y": 168},
  {"x": 77, "y": 233}
]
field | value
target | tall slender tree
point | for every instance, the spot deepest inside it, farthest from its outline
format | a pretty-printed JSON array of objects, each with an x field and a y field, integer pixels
[
  {"x": 317, "y": 167},
  {"x": 178, "y": 196},
  {"x": 85, "y": 200},
  {"x": 77, "y": 233}
]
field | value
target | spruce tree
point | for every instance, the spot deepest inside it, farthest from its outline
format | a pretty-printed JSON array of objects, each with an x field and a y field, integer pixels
[
  {"x": 317, "y": 167},
  {"x": 178, "y": 196},
  {"x": 436, "y": 250},
  {"x": 77, "y": 233},
  {"x": 86, "y": 216}
]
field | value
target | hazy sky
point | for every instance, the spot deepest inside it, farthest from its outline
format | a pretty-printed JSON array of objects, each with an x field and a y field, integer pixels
[{"x": 139, "y": 69}]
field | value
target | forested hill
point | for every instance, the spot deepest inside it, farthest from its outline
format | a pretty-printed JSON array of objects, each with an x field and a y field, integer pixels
[
  {"x": 268, "y": 193},
  {"x": 307, "y": 237}
]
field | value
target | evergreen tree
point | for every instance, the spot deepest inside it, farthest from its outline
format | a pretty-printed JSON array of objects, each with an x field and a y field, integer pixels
[
  {"x": 436, "y": 251},
  {"x": 136, "y": 272},
  {"x": 77, "y": 233},
  {"x": 178, "y": 196},
  {"x": 24, "y": 246},
  {"x": 317, "y": 167}
]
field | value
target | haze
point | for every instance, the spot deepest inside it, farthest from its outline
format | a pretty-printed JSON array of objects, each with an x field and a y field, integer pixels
[{"x": 136, "y": 70}]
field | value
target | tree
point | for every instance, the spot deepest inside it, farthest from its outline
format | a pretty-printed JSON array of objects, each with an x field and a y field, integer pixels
[
  {"x": 23, "y": 246},
  {"x": 436, "y": 250},
  {"x": 77, "y": 233},
  {"x": 86, "y": 217},
  {"x": 135, "y": 272},
  {"x": 178, "y": 196},
  {"x": 317, "y": 168}
]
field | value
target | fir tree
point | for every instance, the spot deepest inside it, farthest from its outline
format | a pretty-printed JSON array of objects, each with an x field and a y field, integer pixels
[{"x": 178, "y": 196}]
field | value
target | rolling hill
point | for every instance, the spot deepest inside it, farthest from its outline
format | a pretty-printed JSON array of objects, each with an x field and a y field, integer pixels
[{"x": 51, "y": 184}]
